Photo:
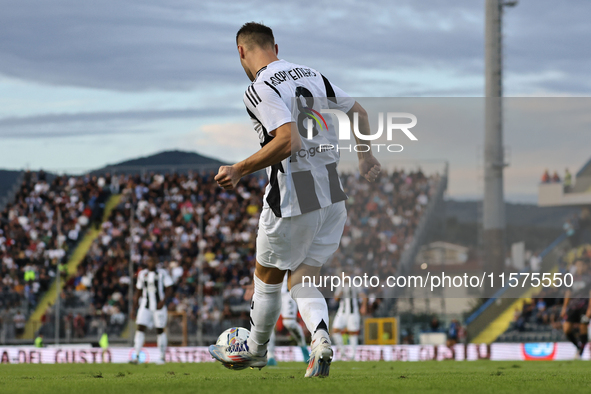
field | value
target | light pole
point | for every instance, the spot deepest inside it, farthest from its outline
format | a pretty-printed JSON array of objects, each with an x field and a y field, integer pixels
[{"x": 494, "y": 163}]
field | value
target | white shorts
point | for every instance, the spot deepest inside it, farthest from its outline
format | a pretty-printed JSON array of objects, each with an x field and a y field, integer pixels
[
  {"x": 289, "y": 308},
  {"x": 284, "y": 243},
  {"x": 149, "y": 318},
  {"x": 347, "y": 321}
]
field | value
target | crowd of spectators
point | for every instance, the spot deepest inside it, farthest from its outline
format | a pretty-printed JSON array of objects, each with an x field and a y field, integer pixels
[
  {"x": 555, "y": 178},
  {"x": 187, "y": 221},
  {"x": 544, "y": 313},
  {"x": 381, "y": 220},
  {"x": 37, "y": 231}
]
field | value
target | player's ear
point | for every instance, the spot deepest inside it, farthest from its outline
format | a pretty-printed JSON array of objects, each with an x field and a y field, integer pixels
[
  {"x": 276, "y": 49},
  {"x": 241, "y": 51}
]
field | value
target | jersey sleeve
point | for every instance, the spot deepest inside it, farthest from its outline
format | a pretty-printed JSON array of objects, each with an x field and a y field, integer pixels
[{"x": 267, "y": 106}]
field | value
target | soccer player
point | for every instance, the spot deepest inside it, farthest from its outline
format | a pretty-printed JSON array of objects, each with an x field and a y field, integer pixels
[
  {"x": 348, "y": 319},
  {"x": 154, "y": 287},
  {"x": 304, "y": 202},
  {"x": 289, "y": 314},
  {"x": 576, "y": 309}
]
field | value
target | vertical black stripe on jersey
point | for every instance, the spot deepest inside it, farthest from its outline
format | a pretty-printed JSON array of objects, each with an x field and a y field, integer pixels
[
  {"x": 329, "y": 90},
  {"x": 255, "y": 93},
  {"x": 146, "y": 295},
  {"x": 274, "y": 88},
  {"x": 351, "y": 305},
  {"x": 303, "y": 182},
  {"x": 158, "y": 298},
  {"x": 274, "y": 196},
  {"x": 250, "y": 99},
  {"x": 336, "y": 192}
]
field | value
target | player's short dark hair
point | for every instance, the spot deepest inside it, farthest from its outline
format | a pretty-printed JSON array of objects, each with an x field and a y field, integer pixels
[{"x": 257, "y": 34}]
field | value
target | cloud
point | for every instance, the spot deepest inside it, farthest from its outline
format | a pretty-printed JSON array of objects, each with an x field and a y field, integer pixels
[
  {"x": 231, "y": 141},
  {"x": 183, "y": 45},
  {"x": 98, "y": 123}
]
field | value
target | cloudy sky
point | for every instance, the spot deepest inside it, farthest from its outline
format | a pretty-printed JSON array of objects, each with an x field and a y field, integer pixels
[{"x": 83, "y": 84}]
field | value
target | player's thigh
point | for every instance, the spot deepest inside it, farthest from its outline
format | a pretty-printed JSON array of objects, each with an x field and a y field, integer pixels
[
  {"x": 353, "y": 322},
  {"x": 307, "y": 273},
  {"x": 282, "y": 243},
  {"x": 573, "y": 316},
  {"x": 328, "y": 236},
  {"x": 339, "y": 322},
  {"x": 160, "y": 318},
  {"x": 144, "y": 317},
  {"x": 289, "y": 308}
]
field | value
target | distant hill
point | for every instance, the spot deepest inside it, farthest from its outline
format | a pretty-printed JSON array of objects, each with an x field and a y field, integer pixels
[
  {"x": 517, "y": 214},
  {"x": 168, "y": 160},
  {"x": 537, "y": 226}
]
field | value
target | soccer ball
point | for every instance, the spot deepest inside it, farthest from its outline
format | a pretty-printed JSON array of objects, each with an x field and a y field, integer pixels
[{"x": 232, "y": 335}]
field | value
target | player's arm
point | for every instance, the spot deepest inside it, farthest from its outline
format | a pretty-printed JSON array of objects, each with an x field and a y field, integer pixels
[
  {"x": 369, "y": 166},
  {"x": 136, "y": 300},
  {"x": 168, "y": 287},
  {"x": 285, "y": 140},
  {"x": 337, "y": 294},
  {"x": 363, "y": 308},
  {"x": 139, "y": 285},
  {"x": 565, "y": 303},
  {"x": 589, "y": 306},
  {"x": 167, "y": 296}
]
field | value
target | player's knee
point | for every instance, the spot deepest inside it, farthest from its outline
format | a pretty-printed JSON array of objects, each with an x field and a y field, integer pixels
[
  {"x": 160, "y": 330},
  {"x": 304, "y": 273},
  {"x": 269, "y": 275},
  {"x": 141, "y": 328}
]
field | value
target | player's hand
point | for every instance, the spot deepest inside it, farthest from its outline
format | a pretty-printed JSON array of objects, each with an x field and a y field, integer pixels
[
  {"x": 228, "y": 177},
  {"x": 160, "y": 305},
  {"x": 132, "y": 315},
  {"x": 369, "y": 167}
]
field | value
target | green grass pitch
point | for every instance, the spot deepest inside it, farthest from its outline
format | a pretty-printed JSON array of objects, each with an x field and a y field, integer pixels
[{"x": 345, "y": 377}]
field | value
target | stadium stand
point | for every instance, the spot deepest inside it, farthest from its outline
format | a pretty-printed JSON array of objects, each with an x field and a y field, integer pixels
[
  {"x": 538, "y": 319},
  {"x": 183, "y": 218},
  {"x": 37, "y": 231}
]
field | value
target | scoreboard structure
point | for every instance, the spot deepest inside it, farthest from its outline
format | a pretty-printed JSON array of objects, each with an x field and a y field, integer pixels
[{"x": 381, "y": 331}]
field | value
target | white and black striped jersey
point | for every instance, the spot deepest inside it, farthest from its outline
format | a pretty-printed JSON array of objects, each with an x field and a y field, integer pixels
[
  {"x": 348, "y": 299},
  {"x": 307, "y": 180},
  {"x": 152, "y": 284}
]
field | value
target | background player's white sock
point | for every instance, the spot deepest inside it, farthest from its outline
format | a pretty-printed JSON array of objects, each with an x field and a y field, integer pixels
[
  {"x": 271, "y": 346},
  {"x": 338, "y": 340},
  {"x": 313, "y": 309},
  {"x": 264, "y": 312},
  {"x": 162, "y": 342},
  {"x": 353, "y": 341},
  {"x": 138, "y": 342},
  {"x": 295, "y": 330}
]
